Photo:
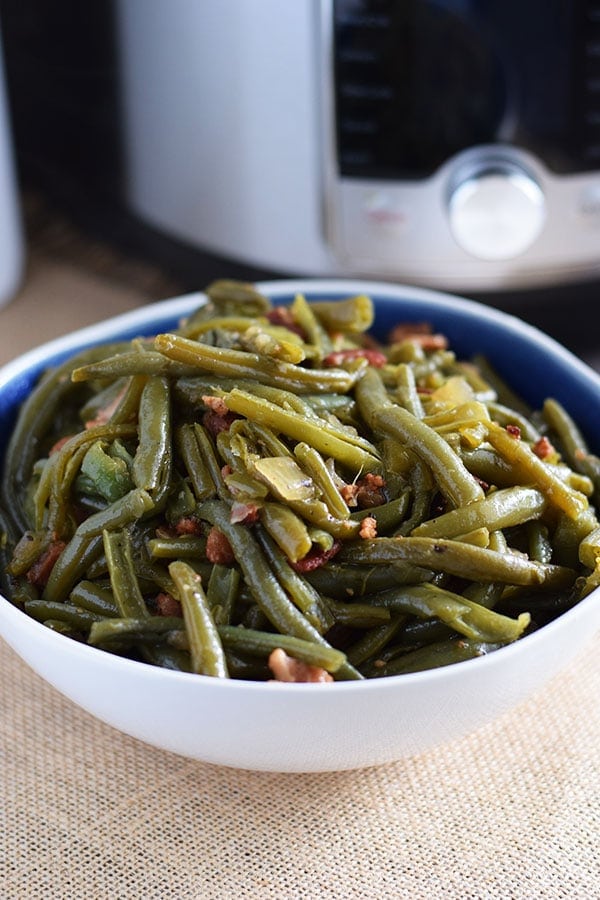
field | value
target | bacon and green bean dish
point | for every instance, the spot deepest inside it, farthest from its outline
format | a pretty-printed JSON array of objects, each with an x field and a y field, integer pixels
[{"x": 270, "y": 493}]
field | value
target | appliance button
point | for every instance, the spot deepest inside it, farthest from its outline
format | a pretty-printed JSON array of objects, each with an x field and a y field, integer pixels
[
  {"x": 497, "y": 214},
  {"x": 381, "y": 211}
]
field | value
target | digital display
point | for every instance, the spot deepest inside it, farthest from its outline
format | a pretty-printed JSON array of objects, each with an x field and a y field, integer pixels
[{"x": 417, "y": 81}]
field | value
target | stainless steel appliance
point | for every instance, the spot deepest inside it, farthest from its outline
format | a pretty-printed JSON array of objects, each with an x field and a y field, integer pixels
[{"x": 453, "y": 144}]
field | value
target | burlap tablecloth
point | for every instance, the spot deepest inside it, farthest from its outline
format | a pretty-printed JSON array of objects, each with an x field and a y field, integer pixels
[{"x": 511, "y": 811}]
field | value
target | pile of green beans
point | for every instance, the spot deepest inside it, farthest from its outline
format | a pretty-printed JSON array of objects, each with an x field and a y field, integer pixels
[{"x": 267, "y": 478}]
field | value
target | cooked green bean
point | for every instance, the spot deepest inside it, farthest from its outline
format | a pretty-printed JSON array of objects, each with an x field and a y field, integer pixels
[
  {"x": 267, "y": 591},
  {"x": 206, "y": 649},
  {"x": 468, "y": 618},
  {"x": 452, "y": 477},
  {"x": 500, "y": 509},
  {"x": 463, "y": 560},
  {"x": 240, "y": 365},
  {"x": 261, "y": 643}
]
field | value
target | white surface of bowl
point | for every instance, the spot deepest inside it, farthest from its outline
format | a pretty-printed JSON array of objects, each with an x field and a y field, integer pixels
[{"x": 314, "y": 727}]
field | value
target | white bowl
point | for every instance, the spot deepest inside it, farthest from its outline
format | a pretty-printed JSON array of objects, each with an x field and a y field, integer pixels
[{"x": 308, "y": 727}]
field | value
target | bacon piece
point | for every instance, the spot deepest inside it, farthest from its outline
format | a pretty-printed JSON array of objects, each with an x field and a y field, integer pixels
[
  {"x": 376, "y": 358},
  {"x": 514, "y": 431},
  {"x": 217, "y": 404},
  {"x": 419, "y": 333},
  {"x": 244, "y": 513},
  {"x": 371, "y": 491},
  {"x": 188, "y": 525},
  {"x": 543, "y": 448},
  {"x": 287, "y": 668},
  {"x": 368, "y": 528},
  {"x": 104, "y": 415},
  {"x": 167, "y": 605},
  {"x": 218, "y": 548},
  {"x": 215, "y": 423},
  {"x": 316, "y": 557},
  {"x": 39, "y": 573},
  {"x": 282, "y": 315}
]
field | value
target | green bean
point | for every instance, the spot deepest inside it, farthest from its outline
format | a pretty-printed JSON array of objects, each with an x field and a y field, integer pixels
[
  {"x": 287, "y": 530},
  {"x": 454, "y": 480},
  {"x": 36, "y": 416},
  {"x": 200, "y": 461},
  {"x": 153, "y": 453},
  {"x": 572, "y": 441},
  {"x": 343, "y": 581},
  {"x": 405, "y": 391},
  {"x": 81, "y": 619},
  {"x": 303, "y": 594},
  {"x": 123, "y": 579},
  {"x": 467, "y": 618},
  {"x": 266, "y": 589},
  {"x": 313, "y": 462},
  {"x": 444, "y": 653},
  {"x": 352, "y": 315},
  {"x": 121, "y": 445},
  {"x": 106, "y": 632},
  {"x": 206, "y": 649},
  {"x": 500, "y": 509},
  {"x": 321, "y": 437},
  {"x": 82, "y": 550},
  {"x": 387, "y": 515},
  {"x": 359, "y": 615},
  {"x": 306, "y": 319},
  {"x": 94, "y": 598},
  {"x": 184, "y": 547},
  {"x": 262, "y": 643},
  {"x": 456, "y": 558},
  {"x": 533, "y": 470},
  {"x": 222, "y": 592},
  {"x": 374, "y": 640},
  {"x": 133, "y": 363},
  {"x": 237, "y": 297},
  {"x": 241, "y": 364}
]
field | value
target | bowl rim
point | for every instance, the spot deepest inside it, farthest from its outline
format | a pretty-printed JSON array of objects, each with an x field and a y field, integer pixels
[{"x": 181, "y": 305}]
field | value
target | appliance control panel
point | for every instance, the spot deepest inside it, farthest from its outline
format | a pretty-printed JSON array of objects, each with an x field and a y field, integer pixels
[{"x": 456, "y": 140}]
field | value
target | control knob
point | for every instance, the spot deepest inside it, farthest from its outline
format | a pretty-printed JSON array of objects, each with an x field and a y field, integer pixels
[{"x": 497, "y": 212}]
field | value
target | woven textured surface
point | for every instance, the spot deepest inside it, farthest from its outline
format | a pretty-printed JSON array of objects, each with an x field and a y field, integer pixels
[{"x": 511, "y": 811}]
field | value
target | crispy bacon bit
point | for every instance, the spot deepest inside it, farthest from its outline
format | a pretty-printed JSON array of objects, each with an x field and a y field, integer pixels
[
  {"x": 375, "y": 358},
  {"x": 39, "y": 573},
  {"x": 543, "y": 448},
  {"x": 282, "y": 315},
  {"x": 103, "y": 415},
  {"x": 316, "y": 557},
  {"x": 217, "y": 404},
  {"x": 349, "y": 492},
  {"x": 368, "y": 528},
  {"x": 371, "y": 491},
  {"x": 287, "y": 668},
  {"x": 167, "y": 605},
  {"x": 216, "y": 423},
  {"x": 419, "y": 333},
  {"x": 244, "y": 513},
  {"x": 188, "y": 525},
  {"x": 514, "y": 431},
  {"x": 366, "y": 492},
  {"x": 218, "y": 548}
]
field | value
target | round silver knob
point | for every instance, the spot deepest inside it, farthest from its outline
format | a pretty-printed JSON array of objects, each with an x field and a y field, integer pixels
[{"x": 497, "y": 214}]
